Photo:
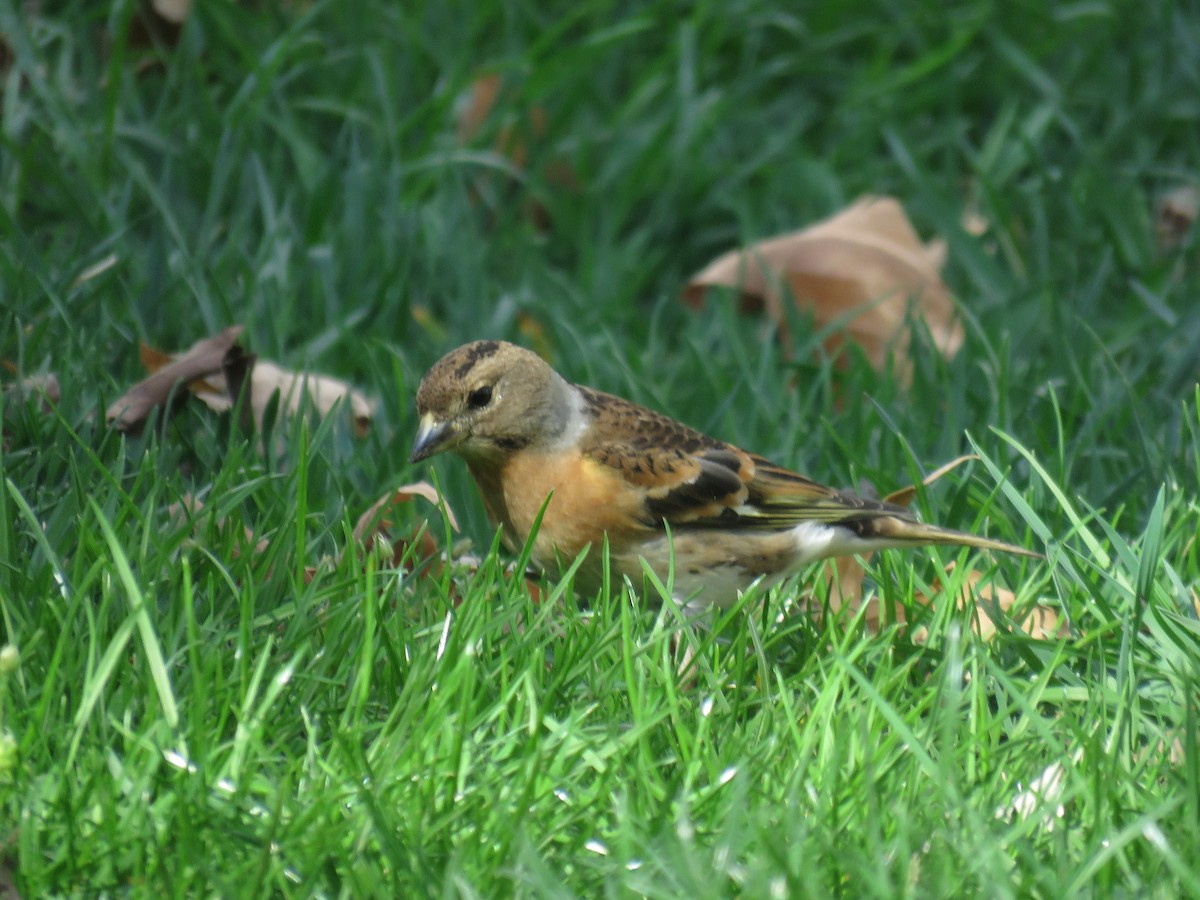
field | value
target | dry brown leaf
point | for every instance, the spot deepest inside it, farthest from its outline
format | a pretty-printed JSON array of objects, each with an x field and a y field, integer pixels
[
  {"x": 515, "y": 136},
  {"x": 1038, "y": 621},
  {"x": 152, "y": 359},
  {"x": 219, "y": 392},
  {"x": 188, "y": 509},
  {"x": 906, "y": 495},
  {"x": 174, "y": 11},
  {"x": 203, "y": 359},
  {"x": 1176, "y": 212},
  {"x": 512, "y": 139},
  {"x": 218, "y": 371},
  {"x": 374, "y": 524},
  {"x": 44, "y": 387},
  {"x": 373, "y": 520},
  {"x": 864, "y": 266}
]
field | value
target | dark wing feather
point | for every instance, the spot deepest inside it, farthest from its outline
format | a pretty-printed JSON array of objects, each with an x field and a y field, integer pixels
[
  {"x": 691, "y": 481},
  {"x": 687, "y": 476},
  {"x": 780, "y": 498},
  {"x": 694, "y": 481}
]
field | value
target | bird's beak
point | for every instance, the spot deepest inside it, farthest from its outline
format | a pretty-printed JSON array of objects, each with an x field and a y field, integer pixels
[{"x": 432, "y": 437}]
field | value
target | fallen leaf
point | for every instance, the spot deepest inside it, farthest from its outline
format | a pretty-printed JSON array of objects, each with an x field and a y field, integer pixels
[
  {"x": 174, "y": 11},
  {"x": 1039, "y": 621},
  {"x": 1043, "y": 795},
  {"x": 906, "y": 495},
  {"x": 516, "y": 134},
  {"x": 203, "y": 359},
  {"x": 863, "y": 267},
  {"x": 237, "y": 375},
  {"x": 1175, "y": 213},
  {"x": 373, "y": 519},
  {"x": 152, "y": 359},
  {"x": 512, "y": 138},
  {"x": 218, "y": 371},
  {"x": 219, "y": 393},
  {"x": 188, "y": 509},
  {"x": 44, "y": 387},
  {"x": 374, "y": 524}
]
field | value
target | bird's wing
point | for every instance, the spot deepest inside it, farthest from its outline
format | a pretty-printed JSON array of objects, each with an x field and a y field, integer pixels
[
  {"x": 690, "y": 480},
  {"x": 780, "y": 498}
]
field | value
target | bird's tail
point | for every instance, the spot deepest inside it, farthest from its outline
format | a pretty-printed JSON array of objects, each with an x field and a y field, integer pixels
[{"x": 901, "y": 532}]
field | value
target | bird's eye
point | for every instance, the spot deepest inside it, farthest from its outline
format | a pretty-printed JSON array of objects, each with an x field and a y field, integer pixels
[{"x": 480, "y": 397}]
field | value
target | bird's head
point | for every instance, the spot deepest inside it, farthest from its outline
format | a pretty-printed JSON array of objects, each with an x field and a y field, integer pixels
[{"x": 487, "y": 399}]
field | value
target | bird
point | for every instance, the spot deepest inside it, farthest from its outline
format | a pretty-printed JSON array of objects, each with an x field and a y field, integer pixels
[{"x": 704, "y": 515}]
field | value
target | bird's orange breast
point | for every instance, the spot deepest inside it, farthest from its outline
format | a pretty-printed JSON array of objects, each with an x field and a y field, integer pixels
[{"x": 587, "y": 501}]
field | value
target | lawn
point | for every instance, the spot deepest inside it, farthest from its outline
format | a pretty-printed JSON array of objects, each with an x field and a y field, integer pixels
[{"x": 214, "y": 691}]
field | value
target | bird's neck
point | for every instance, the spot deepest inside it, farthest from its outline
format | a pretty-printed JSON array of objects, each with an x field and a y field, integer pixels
[{"x": 565, "y": 414}]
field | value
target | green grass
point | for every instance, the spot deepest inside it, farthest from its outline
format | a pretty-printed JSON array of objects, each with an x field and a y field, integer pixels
[{"x": 192, "y": 716}]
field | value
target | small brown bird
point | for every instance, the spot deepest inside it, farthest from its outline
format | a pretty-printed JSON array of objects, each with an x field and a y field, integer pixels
[{"x": 650, "y": 484}]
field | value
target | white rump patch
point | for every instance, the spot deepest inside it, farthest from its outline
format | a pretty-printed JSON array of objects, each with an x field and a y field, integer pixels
[{"x": 817, "y": 540}]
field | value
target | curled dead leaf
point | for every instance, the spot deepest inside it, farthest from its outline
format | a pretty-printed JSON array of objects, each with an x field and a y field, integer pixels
[
  {"x": 218, "y": 370},
  {"x": 188, "y": 508},
  {"x": 374, "y": 525},
  {"x": 203, "y": 359},
  {"x": 371, "y": 521},
  {"x": 1175, "y": 214},
  {"x": 44, "y": 387},
  {"x": 906, "y": 495},
  {"x": 219, "y": 392},
  {"x": 174, "y": 11},
  {"x": 1044, "y": 795},
  {"x": 863, "y": 267},
  {"x": 516, "y": 136},
  {"x": 1039, "y": 621}
]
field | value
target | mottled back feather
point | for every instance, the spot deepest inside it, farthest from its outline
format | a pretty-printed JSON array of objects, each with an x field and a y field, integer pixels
[{"x": 696, "y": 481}]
